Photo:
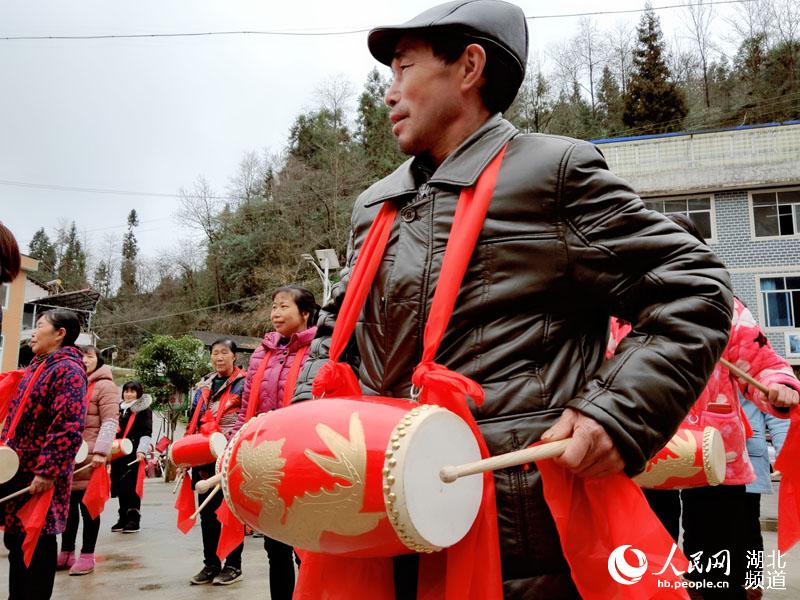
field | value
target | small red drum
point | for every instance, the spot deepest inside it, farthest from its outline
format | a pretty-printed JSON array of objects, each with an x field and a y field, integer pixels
[
  {"x": 354, "y": 477},
  {"x": 197, "y": 449},
  {"x": 83, "y": 453},
  {"x": 121, "y": 447},
  {"x": 692, "y": 458},
  {"x": 9, "y": 463}
]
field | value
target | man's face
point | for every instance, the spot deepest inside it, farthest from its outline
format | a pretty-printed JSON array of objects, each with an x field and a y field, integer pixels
[{"x": 424, "y": 98}]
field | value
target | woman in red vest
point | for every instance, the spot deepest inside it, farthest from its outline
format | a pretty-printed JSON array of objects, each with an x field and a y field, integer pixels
[
  {"x": 215, "y": 407},
  {"x": 271, "y": 376}
]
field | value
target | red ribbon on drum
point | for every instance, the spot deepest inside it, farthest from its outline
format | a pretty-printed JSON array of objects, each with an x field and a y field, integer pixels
[{"x": 98, "y": 491}]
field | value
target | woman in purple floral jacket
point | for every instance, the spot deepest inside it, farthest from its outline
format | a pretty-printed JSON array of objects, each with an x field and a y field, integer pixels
[{"x": 46, "y": 439}]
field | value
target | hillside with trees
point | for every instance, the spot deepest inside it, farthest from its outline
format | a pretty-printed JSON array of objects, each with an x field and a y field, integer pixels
[{"x": 249, "y": 238}]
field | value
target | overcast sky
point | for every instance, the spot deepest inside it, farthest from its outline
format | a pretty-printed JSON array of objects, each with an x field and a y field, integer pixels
[{"x": 152, "y": 114}]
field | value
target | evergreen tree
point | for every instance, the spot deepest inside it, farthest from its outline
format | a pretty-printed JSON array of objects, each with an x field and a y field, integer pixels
[
  {"x": 531, "y": 111},
  {"x": 609, "y": 103},
  {"x": 130, "y": 249},
  {"x": 44, "y": 251},
  {"x": 374, "y": 130},
  {"x": 102, "y": 278},
  {"x": 72, "y": 267},
  {"x": 653, "y": 103}
]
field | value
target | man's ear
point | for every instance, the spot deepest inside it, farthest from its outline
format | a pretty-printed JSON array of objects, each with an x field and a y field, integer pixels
[{"x": 473, "y": 64}]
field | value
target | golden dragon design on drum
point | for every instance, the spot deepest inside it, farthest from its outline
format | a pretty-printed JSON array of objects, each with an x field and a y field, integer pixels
[
  {"x": 337, "y": 510},
  {"x": 681, "y": 465}
]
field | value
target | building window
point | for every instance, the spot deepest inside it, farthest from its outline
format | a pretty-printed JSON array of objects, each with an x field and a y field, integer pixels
[
  {"x": 699, "y": 210},
  {"x": 4, "y": 293},
  {"x": 776, "y": 214},
  {"x": 781, "y": 296}
]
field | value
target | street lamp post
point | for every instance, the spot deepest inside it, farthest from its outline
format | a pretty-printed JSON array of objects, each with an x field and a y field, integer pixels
[{"x": 326, "y": 261}]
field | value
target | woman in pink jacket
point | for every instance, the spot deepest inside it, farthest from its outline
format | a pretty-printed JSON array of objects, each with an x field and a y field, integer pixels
[
  {"x": 713, "y": 517},
  {"x": 270, "y": 388},
  {"x": 102, "y": 417}
]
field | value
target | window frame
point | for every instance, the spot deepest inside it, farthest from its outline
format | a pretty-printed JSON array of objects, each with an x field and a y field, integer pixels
[
  {"x": 752, "y": 215},
  {"x": 714, "y": 239},
  {"x": 762, "y": 308}
]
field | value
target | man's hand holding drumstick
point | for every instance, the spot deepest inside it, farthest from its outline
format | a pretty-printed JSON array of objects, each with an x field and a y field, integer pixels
[{"x": 591, "y": 451}]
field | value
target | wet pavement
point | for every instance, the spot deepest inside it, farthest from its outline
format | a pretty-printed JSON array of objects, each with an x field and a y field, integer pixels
[{"x": 158, "y": 561}]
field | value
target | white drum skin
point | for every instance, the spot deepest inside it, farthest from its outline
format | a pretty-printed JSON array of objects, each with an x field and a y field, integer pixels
[
  {"x": 217, "y": 442},
  {"x": 9, "y": 463},
  {"x": 83, "y": 453},
  {"x": 428, "y": 514}
]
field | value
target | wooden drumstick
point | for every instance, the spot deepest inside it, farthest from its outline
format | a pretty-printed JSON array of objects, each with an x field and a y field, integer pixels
[
  {"x": 83, "y": 468},
  {"x": 214, "y": 490},
  {"x": 133, "y": 462},
  {"x": 201, "y": 487},
  {"x": 502, "y": 461},
  {"x": 746, "y": 376},
  {"x": 179, "y": 480},
  {"x": 15, "y": 494}
]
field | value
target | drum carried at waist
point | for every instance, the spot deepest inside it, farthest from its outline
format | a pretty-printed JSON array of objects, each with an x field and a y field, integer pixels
[
  {"x": 692, "y": 458},
  {"x": 197, "y": 449},
  {"x": 120, "y": 447},
  {"x": 9, "y": 463},
  {"x": 354, "y": 477}
]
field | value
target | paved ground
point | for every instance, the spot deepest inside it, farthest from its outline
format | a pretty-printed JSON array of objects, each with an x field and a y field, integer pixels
[{"x": 158, "y": 561}]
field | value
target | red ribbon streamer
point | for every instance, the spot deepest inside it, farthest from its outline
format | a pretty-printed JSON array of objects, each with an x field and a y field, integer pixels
[
  {"x": 33, "y": 515},
  {"x": 185, "y": 505},
  {"x": 598, "y": 515},
  {"x": 98, "y": 491},
  {"x": 789, "y": 491},
  {"x": 9, "y": 382},
  {"x": 140, "y": 480},
  {"x": 232, "y": 531}
]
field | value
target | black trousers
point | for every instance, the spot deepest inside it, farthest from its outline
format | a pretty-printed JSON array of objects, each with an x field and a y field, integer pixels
[
  {"x": 713, "y": 520},
  {"x": 754, "y": 542},
  {"x": 281, "y": 569},
  {"x": 91, "y": 527},
  {"x": 210, "y": 528},
  {"x": 36, "y": 581}
]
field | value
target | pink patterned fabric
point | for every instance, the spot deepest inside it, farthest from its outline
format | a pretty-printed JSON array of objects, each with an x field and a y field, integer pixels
[{"x": 718, "y": 405}]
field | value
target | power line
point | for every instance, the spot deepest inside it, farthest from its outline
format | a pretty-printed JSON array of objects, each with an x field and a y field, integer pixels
[
  {"x": 118, "y": 192},
  {"x": 313, "y": 33}
]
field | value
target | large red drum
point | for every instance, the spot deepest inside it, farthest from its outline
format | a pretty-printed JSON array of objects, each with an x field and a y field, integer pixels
[
  {"x": 692, "y": 458},
  {"x": 354, "y": 477},
  {"x": 120, "y": 447},
  {"x": 9, "y": 463},
  {"x": 197, "y": 449}
]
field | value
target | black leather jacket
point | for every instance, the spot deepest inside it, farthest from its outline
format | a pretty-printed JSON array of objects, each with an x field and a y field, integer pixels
[{"x": 565, "y": 244}]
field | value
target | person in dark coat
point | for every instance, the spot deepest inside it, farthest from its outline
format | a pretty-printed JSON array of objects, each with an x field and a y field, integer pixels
[
  {"x": 47, "y": 436},
  {"x": 565, "y": 244},
  {"x": 135, "y": 424}
]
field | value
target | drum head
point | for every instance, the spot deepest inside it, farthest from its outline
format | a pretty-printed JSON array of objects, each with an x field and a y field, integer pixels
[
  {"x": 427, "y": 513},
  {"x": 126, "y": 446},
  {"x": 217, "y": 443},
  {"x": 9, "y": 463},
  {"x": 714, "y": 462},
  {"x": 83, "y": 452}
]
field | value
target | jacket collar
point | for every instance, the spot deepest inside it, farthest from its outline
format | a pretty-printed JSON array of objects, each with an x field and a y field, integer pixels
[
  {"x": 103, "y": 372},
  {"x": 297, "y": 341},
  {"x": 141, "y": 403},
  {"x": 461, "y": 168}
]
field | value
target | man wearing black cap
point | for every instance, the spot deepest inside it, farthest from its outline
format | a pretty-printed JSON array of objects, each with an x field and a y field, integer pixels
[{"x": 564, "y": 245}]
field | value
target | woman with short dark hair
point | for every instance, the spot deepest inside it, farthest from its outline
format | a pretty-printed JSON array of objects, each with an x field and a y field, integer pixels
[
  {"x": 102, "y": 417},
  {"x": 44, "y": 427},
  {"x": 215, "y": 407},
  {"x": 135, "y": 424},
  {"x": 294, "y": 312}
]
